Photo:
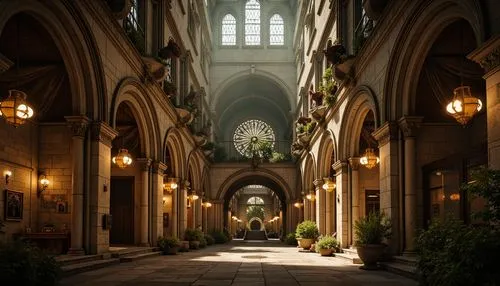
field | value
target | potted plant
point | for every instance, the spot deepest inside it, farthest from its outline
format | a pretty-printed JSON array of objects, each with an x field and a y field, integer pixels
[
  {"x": 306, "y": 233},
  {"x": 194, "y": 236},
  {"x": 170, "y": 51},
  {"x": 327, "y": 245},
  {"x": 168, "y": 245},
  {"x": 370, "y": 232}
]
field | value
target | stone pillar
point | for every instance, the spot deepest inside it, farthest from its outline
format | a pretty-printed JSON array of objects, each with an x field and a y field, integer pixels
[
  {"x": 387, "y": 137},
  {"x": 408, "y": 125},
  {"x": 355, "y": 191},
  {"x": 174, "y": 219},
  {"x": 78, "y": 125},
  {"x": 320, "y": 205},
  {"x": 328, "y": 212},
  {"x": 341, "y": 193},
  {"x": 306, "y": 210},
  {"x": 205, "y": 220},
  {"x": 198, "y": 213},
  {"x": 159, "y": 169},
  {"x": 99, "y": 191},
  {"x": 488, "y": 56},
  {"x": 144, "y": 164},
  {"x": 182, "y": 210}
]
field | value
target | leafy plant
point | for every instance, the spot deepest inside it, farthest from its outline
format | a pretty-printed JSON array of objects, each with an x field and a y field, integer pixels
[
  {"x": 372, "y": 229},
  {"x": 486, "y": 184},
  {"x": 290, "y": 239},
  {"x": 307, "y": 229},
  {"x": 277, "y": 157},
  {"x": 208, "y": 146},
  {"x": 169, "y": 88},
  {"x": 203, "y": 242},
  {"x": 219, "y": 237},
  {"x": 327, "y": 242},
  {"x": 255, "y": 211},
  {"x": 164, "y": 243},
  {"x": 24, "y": 264},
  {"x": 191, "y": 234},
  {"x": 210, "y": 240}
]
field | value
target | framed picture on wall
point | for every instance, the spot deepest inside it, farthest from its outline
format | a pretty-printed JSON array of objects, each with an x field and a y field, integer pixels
[
  {"x": 166, "y": 219},
  {"x": 14, "y": 205}
]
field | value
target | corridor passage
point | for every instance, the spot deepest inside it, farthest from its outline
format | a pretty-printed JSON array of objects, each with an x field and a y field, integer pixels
[{"x": 238, "y": 263}]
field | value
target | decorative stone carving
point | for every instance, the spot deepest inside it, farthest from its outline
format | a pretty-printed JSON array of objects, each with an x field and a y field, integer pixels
[
  {"x": 157, "y": 70},
  {"x": 102, "y": 132},
  {"x": 78, "y": 125},
  {"x": 159, "y": 168},
  {"x": 318, "y": 113},
  {"x": 185, "y": 117},
  {"x": 120, "y": 8},
  {"x": 144, "y": 163},
  {"x": 409, "y": 125},
  {"x": 200, "y": 140},
  {"x": 340, "y": 167},
  {"x": 385, "y": 133},
  {"x": 491, "y": 61},
  {"x": 354, "y": 163}
]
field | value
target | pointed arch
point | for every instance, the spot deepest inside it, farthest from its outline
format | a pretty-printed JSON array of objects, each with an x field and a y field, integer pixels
[
  {"x": 252, "y": 23},
  {"x": 173, "y": 142},
  {"x": 228, "y": 30},
  {"x": 327, "y": 148},
  {"x": 309, "y": 172},
  {"x": 276, "y": 30}
]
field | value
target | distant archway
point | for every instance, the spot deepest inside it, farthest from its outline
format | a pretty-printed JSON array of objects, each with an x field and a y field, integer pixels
[{"x": 255, "y": 223}]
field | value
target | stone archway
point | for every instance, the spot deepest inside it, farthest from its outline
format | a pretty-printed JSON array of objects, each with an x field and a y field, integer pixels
[{"x": 255, "y": 223}]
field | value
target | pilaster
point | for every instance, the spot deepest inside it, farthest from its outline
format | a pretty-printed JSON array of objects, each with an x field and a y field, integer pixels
[{"x": 341, "y": 201}]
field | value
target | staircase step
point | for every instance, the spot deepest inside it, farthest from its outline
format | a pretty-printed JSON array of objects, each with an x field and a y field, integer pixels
[
  {"x": 130, "y": 258},
  {"x": 352, "y": 258},
  {"x": 400, "y": 269},
  {"x": 132, "y": 251},
  {"x": 351, "y": 251},
  {"x": 76, "y": 268},
  {"x": 69, "y": 260},
  {"x": 255, "y": 235},
  {"x": 408, "y": 260}
]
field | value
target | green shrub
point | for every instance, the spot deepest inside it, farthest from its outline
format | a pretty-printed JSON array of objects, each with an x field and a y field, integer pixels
[
  {"x": 23, "y": 264},
  {"x": 193, "y": 234},
  {"x": 372, "y": 229},
  {"x": 327, "y": 242},
  {"x": 203, "y": 242},
  {"x": 219, "y": 237},
  {"x": 210, "y": 240},
  {"x": 307, "y": 229},
  {"x": 164, "y": 243},
  {"x": 291, "y": 239}
]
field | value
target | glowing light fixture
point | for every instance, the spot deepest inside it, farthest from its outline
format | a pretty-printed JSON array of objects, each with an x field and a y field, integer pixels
[
  {"x": 463, "y": 106},
  {"x": 123, "y": 159},
  {"x": 170, "y": 185},
  {"x": 311, "y": 196},
  {"x": 14, "y": 109},
  {"x": 369, "y": 160},
  {"x": 206, "y": 204},
  {"x": 298, "y": 205},
  {"x": 329, "y": 185},
  {"x": 455, "y": 197},
  {"x": 7, "y": 174}
]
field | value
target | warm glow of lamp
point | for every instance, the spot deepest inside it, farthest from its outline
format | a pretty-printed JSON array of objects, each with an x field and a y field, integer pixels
[
  {"x": 44, "y": 182},
  {"x": 7, "y": 174},
  {"x": 311, "y": 196},
  {"x": 369, "y": 160},
  {"x": 123, "y": 159},
  {"x": 206, "y": 204},
  {"x": 329, "y": 185},
  {"x": 14, "y": 109},
  {"x": 276, "y": 218},
  {"x": 298, "y": 205},
  {"x": 463, "y": 106},
  {"x": 170, "y": 185},
  {"x": 455, "y": 197}
]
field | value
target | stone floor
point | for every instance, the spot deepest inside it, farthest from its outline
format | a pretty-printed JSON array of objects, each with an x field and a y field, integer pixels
[{"x": 238, "y": 263}]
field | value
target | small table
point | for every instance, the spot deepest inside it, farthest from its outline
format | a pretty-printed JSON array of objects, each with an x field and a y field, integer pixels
[{"x": 52, "y": 242}]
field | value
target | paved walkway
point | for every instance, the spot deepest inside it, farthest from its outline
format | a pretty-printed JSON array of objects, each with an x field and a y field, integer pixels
[{"x": 239, "y": 263}]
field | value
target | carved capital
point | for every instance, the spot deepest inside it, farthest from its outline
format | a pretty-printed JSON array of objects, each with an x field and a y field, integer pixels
[
  {"x": 144, "y": 163},
  {"x": 385, "y": 133},
  {"x": 340, "y": 167},
  {"x": 409, "y": 125},
  {"x": 78, "y": 125},
  {"x": 354, "y": 163},
  {"x": 488, "y": 55},
  {"x": 103, "y": 133},
  {"x": 159, "y": 168},
  {"x": 318, "y": 183}
]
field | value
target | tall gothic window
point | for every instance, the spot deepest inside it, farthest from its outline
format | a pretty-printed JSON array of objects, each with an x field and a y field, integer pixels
[
  {"x": 228, "y": 30},
  {"x": 252, "y": 22},
  {"x": 276, "y": 30}
]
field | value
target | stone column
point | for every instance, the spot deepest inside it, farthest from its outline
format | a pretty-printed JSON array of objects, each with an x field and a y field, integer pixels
[
  {"x": 99, "y": 191},
  {"x": 174, "y": 219},
  {"x": 159, "y": 169},
  {"x": 198, "y": 214},
  {"x": 78, "y": 125},
  {"x": 182, "y": 211},
  {"x": 355, "y": 191},
  {"x": 488, "y": 56},
  {"x": 328, "y": 212},
  {"x": 320, "y": 205},
  {"x": 144, "y": 164},
  {"x": 306, "y": 209},
  {"x": 387, "y": 137},
  {"x": 409, "y": 125},
  {"x": 205, "y": 220},
  {"x": 341, "y": 203}
]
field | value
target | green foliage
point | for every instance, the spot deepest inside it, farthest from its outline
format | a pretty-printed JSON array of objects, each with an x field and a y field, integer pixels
[
  {"x": 203, "y": 242},
  {"x": 210, "y": 240},
  {"x": 169, "y": 88},
  {"x": 327, "y": 242},
  {"x": 277, "y": 157},
  {"x": 307, "y": 229},
  {"x": 453, "y": 254},
  {"x": 309, "y": 128},
  {"x": 372, "y": 229},
  {"x": 486, "y": 184},
  {"x": 23, "y": 264},
  {"x": 291, "y": 239},
  {"x": 164, "y": 243},
  {"x": 208, "y": 146},
  {"x": 191, "y": 234},
  {"x": 219, "y": 237},
  {"x": 255, "y": 211},
  {"x": 136, "y": 37},
  {"x": 330, "y": 99}
]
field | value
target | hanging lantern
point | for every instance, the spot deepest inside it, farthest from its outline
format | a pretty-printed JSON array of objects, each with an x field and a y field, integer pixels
[
  {"x": 193, "y": 197},
  {"x": 123, "y": 159},
  {"x": 311, "y": 196},
  {"x": 369, "y": 160},
  {"x": 463, "y": 106},
  {"x": 206, "y": 204},
  {"x": 15, "y": 109},
  {"x": 171, "y": 185},
  {"x": 298, "y": 205},
  {"x": 329, "y": 185}
]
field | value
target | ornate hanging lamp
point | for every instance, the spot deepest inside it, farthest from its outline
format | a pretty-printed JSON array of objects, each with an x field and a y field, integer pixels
[
  {"x": 14, "y": 109},
  {"x": 463, "y": 106},
  {"x": 369, "y": 159},
  {"x": 123, "y": 159},
  {"x": 328, "y": 185}
]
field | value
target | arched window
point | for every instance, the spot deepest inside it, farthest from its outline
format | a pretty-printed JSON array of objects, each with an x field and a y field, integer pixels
[
  {"x": 228, "y": 30},
  {"x": 276, "y": 30},
  {"x": 252, "y": 22},
  {"x": 255, "y": 201}
]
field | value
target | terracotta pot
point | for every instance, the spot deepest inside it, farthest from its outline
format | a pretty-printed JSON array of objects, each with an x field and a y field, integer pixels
[
  {"x": 326, "y": 252},
  {"x": 306, "y": 243},
  {"x": 370, "y": 254},
  {"x": 171, "y": 250}
]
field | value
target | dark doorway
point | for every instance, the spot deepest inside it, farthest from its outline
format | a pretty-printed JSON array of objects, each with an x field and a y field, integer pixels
[
  {"x": 372, "y": 201},
  {"x": 255, "y": 225},
  {"x": 122, "y": 210}
]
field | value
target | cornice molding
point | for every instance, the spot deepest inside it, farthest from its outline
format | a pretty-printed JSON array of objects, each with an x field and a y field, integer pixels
[
  {"x": 102, "y": 132},
  {"x": 385, "y": 133},
  {"x": 488, "y": 56}
]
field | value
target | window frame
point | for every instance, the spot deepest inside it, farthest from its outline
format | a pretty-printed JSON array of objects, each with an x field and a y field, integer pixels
[
  {"x": 247, "y": 9},
  {"x": 283, "y": 34},
  {"x": 222, "y": 31}
]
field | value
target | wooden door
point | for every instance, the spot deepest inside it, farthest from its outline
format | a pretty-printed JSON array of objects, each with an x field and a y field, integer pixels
[{"x": 122, "y": 210}]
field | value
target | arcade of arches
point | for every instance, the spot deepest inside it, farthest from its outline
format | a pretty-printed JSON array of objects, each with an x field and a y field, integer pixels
[{"x": 151, "y": 116}]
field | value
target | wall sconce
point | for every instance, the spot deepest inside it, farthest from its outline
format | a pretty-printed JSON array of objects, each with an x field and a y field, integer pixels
[
  {"x": 7, "y": 174},
  {"x": 329, "y": 185},
  {"x": 311, "y": 196},
  {"x": 206, "y": 204},
  {"x": 298, "y": 205},
  {"x": 164, "y": 200},
  {"x": 44, "y": 183},
  {"x": 170, "y": 185}
]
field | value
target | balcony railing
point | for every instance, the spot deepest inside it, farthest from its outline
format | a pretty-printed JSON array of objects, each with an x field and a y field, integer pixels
[
  {"x": 362, "y": 32},
  {"x": 227, "y": 152}
]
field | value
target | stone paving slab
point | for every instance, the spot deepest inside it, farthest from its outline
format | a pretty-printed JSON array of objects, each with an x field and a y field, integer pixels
[{"x": 238, "y": 263}]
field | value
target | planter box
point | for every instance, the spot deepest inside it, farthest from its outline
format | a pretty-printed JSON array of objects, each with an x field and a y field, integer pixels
[
  {"x": 370, "y": 254},
  {"x": 326, "y": 252},
  {"x": 306, "y": 243}
]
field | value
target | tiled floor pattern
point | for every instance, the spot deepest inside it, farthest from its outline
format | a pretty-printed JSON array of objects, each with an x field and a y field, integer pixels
[{"x": 239, "y": 263}]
